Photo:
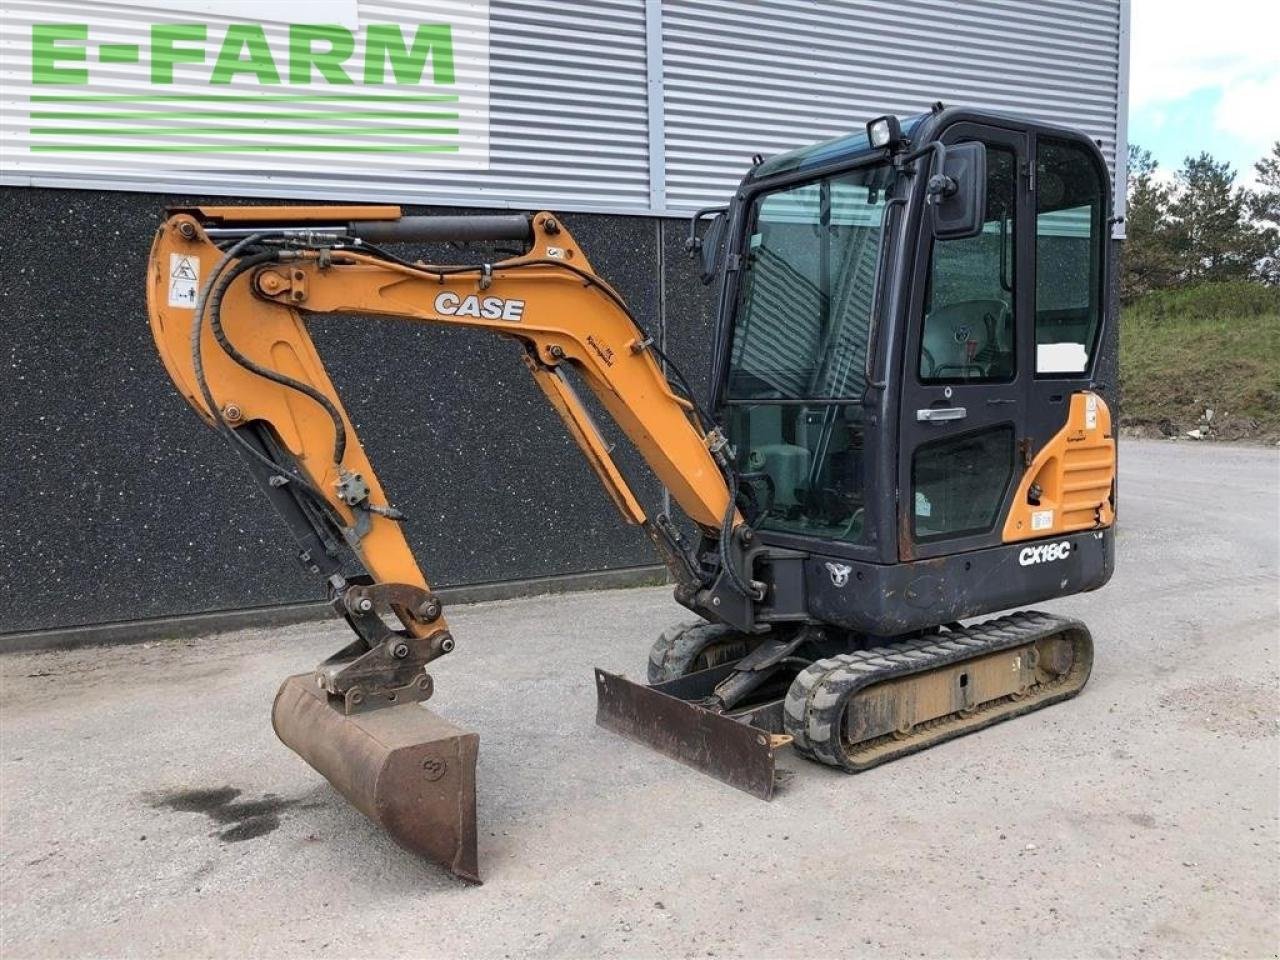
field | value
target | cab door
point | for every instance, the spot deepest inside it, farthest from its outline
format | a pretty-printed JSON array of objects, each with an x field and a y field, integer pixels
[{"x": 965, "y": 368}]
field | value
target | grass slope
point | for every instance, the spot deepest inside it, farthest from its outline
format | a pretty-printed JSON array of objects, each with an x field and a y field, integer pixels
[{"x": 1214, "y": 346}]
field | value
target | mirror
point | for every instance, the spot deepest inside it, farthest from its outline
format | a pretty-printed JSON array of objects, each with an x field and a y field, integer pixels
[
  {"x": 957, "y": 193},
  {"x": 709, "y": 246},
  {"x": 712, "y": 241}
]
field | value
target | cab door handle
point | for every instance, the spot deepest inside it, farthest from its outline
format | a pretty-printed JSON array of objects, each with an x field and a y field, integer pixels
[{"x": 941, "y": 414}]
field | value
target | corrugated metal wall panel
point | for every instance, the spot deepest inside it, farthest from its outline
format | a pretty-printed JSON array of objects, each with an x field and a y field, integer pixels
[
  {"x": 570, "y": 123},
  {"x": 743, "y": 78},
  {"x": 567, "y": 115}
]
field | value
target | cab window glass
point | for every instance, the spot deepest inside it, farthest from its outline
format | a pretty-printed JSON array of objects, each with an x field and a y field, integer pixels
[
  {"x": 798, "y": 365},
  {"x": 958, "y": 483},
  {"x": 1070, "y": 201},
  {"x": 968, "y": 332},
  {"x": 807, "y": 289}
]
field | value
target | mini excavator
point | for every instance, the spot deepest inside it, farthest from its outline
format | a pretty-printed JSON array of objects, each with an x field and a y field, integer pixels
[{"x": 903, "y": 432}]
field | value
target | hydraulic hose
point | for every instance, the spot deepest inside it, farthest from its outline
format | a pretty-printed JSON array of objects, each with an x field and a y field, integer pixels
[
  {"x": 197, "y": 328},
  {"x": 215, "y": 324},
  {"x": 220, "y": 280},
  {"x": 220, "y": 425}
]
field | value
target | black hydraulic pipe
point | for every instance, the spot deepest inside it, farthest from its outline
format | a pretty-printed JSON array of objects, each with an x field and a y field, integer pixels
[{"x": 439, "y": 229}]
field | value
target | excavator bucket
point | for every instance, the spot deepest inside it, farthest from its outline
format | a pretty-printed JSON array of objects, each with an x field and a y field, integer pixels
[
  {"x": 405, "y": 768},
  {"x": 736, "y": 747}
]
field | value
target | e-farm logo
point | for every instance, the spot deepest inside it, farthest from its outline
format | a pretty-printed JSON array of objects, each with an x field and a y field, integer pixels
[
  {"x": 60, "y": 53},
  {"x": 234, "y": 86},
  {"x": 316, "y": 53}
]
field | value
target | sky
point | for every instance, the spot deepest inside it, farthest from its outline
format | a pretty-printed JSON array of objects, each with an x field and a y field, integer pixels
[{"x": 1205, "y": 75}]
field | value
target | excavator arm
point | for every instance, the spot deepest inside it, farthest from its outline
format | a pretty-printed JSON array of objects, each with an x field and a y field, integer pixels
[
  {"x": 255, "y": 372},
  {"x": 229, "y": 291}
]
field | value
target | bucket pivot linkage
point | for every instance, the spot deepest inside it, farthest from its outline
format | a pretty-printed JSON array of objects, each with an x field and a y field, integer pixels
[{"x": 358, "y": 720}]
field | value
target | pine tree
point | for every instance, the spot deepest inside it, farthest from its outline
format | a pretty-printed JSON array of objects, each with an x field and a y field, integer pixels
[
  {"x": 1210, "y": 233},
  {"x": 1264, "y": 205},
  {"x": 1148, "y": 262}
]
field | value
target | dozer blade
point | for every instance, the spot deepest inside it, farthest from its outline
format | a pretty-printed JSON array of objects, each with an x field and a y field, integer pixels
[
  {"x": 737, "y": 748},
  {"x": 405, "y": 768}
]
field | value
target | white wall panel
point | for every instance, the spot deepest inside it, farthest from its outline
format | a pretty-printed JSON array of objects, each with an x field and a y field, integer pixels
[{"x": 762, "y": 77}]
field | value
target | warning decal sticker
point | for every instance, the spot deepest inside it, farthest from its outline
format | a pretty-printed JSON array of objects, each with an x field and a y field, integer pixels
[{"x": 184, "y": 279}]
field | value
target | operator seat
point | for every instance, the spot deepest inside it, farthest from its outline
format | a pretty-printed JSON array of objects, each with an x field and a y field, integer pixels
[{"x": 968, "y": 339}]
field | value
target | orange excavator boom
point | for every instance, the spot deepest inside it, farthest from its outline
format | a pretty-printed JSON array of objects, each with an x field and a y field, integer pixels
[{"x": 229, "y": 291}]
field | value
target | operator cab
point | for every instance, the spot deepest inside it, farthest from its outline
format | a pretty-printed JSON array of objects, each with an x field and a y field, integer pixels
[{"x": 902, "y": 329}]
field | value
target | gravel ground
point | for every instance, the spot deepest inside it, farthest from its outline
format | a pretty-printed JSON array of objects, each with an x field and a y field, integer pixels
[{"x": 1138, "y": 819}]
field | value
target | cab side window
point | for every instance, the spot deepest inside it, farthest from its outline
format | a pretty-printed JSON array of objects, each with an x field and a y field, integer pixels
[
  {"x": 968, "y": 332},
  {"x": 1070, "y": 227}
]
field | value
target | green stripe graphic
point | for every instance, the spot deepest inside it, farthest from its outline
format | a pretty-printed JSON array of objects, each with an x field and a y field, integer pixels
[
  {"x": 236, "y": 98},
  {"x": 162, "y": 106},
  {"x": 236, "y": 114},
  {"x": 295, "y": 132},
  {"x": 244, "y": 148}
]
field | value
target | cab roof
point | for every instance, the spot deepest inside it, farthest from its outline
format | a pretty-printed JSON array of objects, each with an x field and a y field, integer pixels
[
  {"x": 919, "y": 128},
  {"x": 825, "y": 153}
]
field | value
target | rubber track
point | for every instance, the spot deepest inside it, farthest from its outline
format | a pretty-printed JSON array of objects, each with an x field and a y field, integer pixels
[
  {"x": 676, "y": 649},
  {"x": 813, "y": 712}
]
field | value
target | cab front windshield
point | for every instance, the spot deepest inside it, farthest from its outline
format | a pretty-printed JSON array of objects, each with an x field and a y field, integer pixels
[{"x": 798, "y": 364}]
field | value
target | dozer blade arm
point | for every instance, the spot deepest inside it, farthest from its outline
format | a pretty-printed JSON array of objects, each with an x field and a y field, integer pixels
[{"x": 228, "y": 289}]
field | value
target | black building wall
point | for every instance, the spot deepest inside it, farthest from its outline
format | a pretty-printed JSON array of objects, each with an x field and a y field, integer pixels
[{"x": 118, "y": 504}]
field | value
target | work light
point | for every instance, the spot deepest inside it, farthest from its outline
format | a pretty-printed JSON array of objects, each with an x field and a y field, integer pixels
[{"x": 884, "y": 131}]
